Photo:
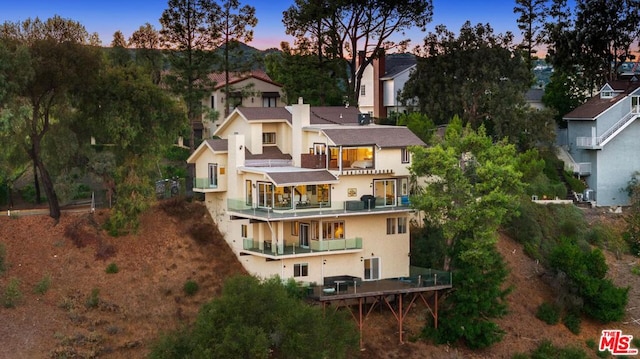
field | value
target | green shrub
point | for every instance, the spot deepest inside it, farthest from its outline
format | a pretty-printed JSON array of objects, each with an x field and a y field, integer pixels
[
  {"x": 94, "y": 298},
  {"x": 12, "y": 294},
  {"x": 548, "y": 313},
  {"x": 572, "y": 321},
  {"x": 576, "y": 185},
  {"x": 635, "y": 269},
  {"x": 190, "y": 287},
  {"x": 43, "y": 285},
  {"x": 112, "y": 268},
  {"x": 28, "y": 193}
]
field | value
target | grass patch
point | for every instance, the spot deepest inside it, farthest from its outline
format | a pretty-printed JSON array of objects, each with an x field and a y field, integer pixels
[
  {"x": 112, "y": 268},
  {"x": 94, "y": 298},
  {"x": 548, "y": 313},
  {"x": 12, "y": 294},
  {"x": 191, "y": 287},
  {"x": 43, "y": 285}
]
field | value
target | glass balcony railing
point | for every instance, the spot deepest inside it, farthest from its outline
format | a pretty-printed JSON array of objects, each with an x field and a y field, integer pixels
[
  {"x": 288, "y": 209},
  {"x": 315, "y": 246},
  {"x": 203, "y": 183}
]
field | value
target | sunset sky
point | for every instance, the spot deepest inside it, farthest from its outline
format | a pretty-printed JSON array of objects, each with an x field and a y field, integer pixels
[{"x": 106, "y": 17}]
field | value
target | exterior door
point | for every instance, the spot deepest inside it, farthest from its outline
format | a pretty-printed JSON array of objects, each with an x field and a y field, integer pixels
[
  {"x": 303, "y": 235},
  {"x": 372, "y": 268},
  {"x": 213, "y": 175}
]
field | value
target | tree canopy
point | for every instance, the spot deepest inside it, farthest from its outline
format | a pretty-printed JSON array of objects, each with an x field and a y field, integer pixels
[
  {"x": 472, "y": 186},
  {"x": 261, "y": 319},
  {"x": 347, "y": 28}
]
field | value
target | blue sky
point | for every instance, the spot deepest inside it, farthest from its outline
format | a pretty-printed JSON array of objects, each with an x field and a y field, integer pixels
[{"x": 106, "y": 17}]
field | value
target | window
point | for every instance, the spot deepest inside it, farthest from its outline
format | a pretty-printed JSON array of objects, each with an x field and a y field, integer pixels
[
  {"x": 391, "y": 226},
  {"x": 213, "y": 102},
  {"x": 269, "y": 138},
  {"x": 243, "y": 230},
  {"x": 213, "y": 175},
  {"x": 265, "y": 195},
  {"x": 294, "y": 228},
  {"x": 385, "y": 192},
  {"x": 333, "y": 230},
  {"x": 270, "y": 99},
  {"x": 301, "y": 269},
  {"x": 405, "y": 155},
  {"x": 362, "y": 90},
  {"x": 249, "y": 192},
  {"x": 402, "y": 225}
]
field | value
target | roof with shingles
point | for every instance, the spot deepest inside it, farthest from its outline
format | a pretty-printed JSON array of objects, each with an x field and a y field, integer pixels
[
  {"x": 293, "y": 177},
  {"x": 382, "y": 136},
  {"x": 219, "y": 78},
  {"x": 268, "y": 152},
  {"x": 320, "y": 115},
  {"x": 596, "y": 105},
  {"x": 397, "y": 63}
]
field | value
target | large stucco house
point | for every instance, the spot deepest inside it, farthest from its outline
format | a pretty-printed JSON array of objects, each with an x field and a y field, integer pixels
[
  {"x": 309, "y": 192},
  {"x": 602, "y": 142}
]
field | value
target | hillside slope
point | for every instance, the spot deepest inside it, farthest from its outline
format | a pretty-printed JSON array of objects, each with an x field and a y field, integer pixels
[{"x": 145, "y": 298}]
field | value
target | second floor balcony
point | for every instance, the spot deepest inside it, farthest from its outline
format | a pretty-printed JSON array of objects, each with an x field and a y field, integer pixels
[
  {"x": 281, "y": 249},
  {"x": 286, "y": 210}
]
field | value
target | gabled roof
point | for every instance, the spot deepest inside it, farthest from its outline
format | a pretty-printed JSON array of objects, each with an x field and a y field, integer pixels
[
  {"x": 597, "y": 105},
  {"x": 214, "y": 145},
  {"x": 398, "y": 63},
  {"x": 382, "y": 136},
  {"x": 220, "y": 78}
]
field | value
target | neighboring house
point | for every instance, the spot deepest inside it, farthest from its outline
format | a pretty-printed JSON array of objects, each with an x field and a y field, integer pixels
[
  {"x": 382, "y": 82},
  {"x": 602, "y": 138},
  {"x": 250, "y": 89},
  {"x": 309, "y": 192},
  {"x": 534, "y": 98}
]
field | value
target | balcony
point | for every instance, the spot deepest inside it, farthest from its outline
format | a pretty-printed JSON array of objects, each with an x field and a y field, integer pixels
[
  {"x": 281, "y": 250},
  {"x": 282, "y": 211},
  {"x": 203, "y": 185}
]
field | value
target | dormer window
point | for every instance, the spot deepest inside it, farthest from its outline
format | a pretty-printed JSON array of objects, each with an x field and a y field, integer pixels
[{"x": 606, "y": 94}]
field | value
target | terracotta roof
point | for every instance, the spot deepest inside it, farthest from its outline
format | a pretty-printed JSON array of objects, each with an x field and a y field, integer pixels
[
  {"x": 596, "y": 105},
  {"x": 382, "y": 136},
  {"x": 268, "y": 152},
  {"x": 283, "y": 178},
  {"x": 220, "y": 79}
]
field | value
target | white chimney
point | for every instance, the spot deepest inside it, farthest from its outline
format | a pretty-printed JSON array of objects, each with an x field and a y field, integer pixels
[{"x": 300, "y": 118}]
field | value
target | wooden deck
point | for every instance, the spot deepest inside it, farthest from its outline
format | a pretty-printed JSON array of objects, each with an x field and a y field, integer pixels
[{"x": 396, "y": 294}]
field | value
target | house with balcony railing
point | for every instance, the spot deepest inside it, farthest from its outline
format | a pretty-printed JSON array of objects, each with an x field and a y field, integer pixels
[
  {"x": 310, "y": 192},
  {"x": 602, "y": 138}
]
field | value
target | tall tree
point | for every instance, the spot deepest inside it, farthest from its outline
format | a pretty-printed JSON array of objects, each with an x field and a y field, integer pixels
[
  {"x": 61, "y": 65},
  {"x": 236, "y": 25},
  {"x": 478, "y": 75},
  {"x": 302, "y": 75},
  {"x": 530, "y": 22},
  {"x": 473, "y": 188},
  {"x": 190, "y": 34},
  {"x": 605, "y": 32},
  {"x": 355, "y": 31},
  {"x": 146, "y": 41}
]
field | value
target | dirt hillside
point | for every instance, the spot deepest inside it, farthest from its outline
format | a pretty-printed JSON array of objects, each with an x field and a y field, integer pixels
[{"x": 88, "y": 313}]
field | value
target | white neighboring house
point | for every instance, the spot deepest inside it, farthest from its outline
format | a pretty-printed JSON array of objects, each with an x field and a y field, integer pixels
[
  {"x": 309, "y": 193},
  {"x": 248, "y": 89},
  {"x": 382, "y": 81}
]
